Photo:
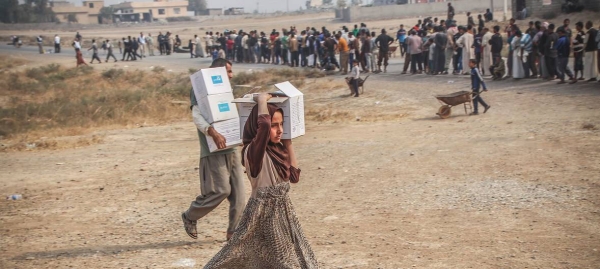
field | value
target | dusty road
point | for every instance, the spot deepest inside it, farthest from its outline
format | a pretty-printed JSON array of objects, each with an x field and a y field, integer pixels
[{"x": 517, "y": 187}]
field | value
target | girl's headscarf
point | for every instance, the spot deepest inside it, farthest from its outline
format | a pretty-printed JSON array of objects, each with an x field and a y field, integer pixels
[{"x": 278, "y": 153}]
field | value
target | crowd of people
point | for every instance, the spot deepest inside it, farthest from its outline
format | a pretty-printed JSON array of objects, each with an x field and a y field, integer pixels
[{"x": 431, "y": 46}]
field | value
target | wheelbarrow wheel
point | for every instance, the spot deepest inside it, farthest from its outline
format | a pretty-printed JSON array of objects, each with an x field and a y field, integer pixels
[{"x": 445, "y": 111}]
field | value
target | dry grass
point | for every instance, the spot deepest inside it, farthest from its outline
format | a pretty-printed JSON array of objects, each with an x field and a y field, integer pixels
[
  {"x": 589, "y": 126},
  {"x": 7, "y": 62},
  {"x": 64, "y": 102},
  {"x": 267, "y": 78}
]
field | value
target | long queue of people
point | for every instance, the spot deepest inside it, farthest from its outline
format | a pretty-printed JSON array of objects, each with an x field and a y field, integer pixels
[{"x": 540, "y": 51}]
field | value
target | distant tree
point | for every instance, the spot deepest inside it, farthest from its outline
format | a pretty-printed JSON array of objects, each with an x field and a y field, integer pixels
[
  {"x": 106, "y": 13},
  {"x": 9, "y": 10},
  {"x": 341, "y": 3},
  {"x": 197, "y": 6},
  {"x": 356, "y": 2},
  {"x": 327, "y": 2}
]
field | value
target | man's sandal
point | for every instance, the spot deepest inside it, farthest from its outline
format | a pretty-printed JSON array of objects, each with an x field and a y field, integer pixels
[{"x": 189, "y": 226}]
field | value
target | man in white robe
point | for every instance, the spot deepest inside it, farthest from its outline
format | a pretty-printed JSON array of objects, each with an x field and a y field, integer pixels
[
  {"x": 466, "y": 43},
  {"x": 590, "y": 70},
  {"x": 487, "y": 59}
]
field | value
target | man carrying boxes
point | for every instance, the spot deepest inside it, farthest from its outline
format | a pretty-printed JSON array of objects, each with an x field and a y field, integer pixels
[{"x": 217, "y": 122}]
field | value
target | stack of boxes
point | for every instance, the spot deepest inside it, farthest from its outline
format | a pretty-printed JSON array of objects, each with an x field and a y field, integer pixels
[
  {"x": 289, "y": 99},
  {"x": 214, "y": 95}
]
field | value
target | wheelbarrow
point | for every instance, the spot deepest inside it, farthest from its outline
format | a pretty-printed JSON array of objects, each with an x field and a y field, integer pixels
[
  {"x": 361, "y": 83},
  {"x": 454, "y": 99}
]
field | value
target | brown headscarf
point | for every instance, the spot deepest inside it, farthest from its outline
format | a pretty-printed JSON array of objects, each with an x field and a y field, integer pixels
[{"x": 277, "y": 152}]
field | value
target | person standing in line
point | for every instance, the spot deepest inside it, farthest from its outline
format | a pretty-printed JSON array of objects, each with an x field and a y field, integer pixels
[
  {"x": 142, "y": 44},
  {"x": 109, "y": 54},
  {"x": 487, "y": 59},
  {"x": 351, "y": 49},
  {"x": 578, "y": 46},
  {"x": 517, "y": 63},
  {"x": 383, "y": 42},
  {"x": 221, "y": 174},
  {"x": 293, "y": 44},
  {"x": 450, "y": 47},
  {"x": 366, "y": 52},
  {"x": 374, "y": 53},
  {"x": 526, "y": 50},
  {"x": 457, "y": 54},
  {"x": 344, "y": 54},
  {"x": 208, "y": 40},
  {"x": 466, "y": 42},
  {"x": 192, "y": 47},
  {"x": 496, "y": 44},
  {"x": 94, "y": 49},
  {"x": 56, "y": 44},
  {"x": 532, "y": 59},
  {"x": 476, "y": 84},
  {"x": 550, "y": 53},
  {"x": 590, "y": 59},
  {"x": 563, "y": 50},
  {"x": 246, "y": 48},
  {"x": 120, "y": 45},
  {"x": 414, "y": 44},
  {"x": 150, "y": 44},
  {"x": 439, "y": 54},
  {"x": 170, "y": 43},
  {"x": 40, "y": 43}
]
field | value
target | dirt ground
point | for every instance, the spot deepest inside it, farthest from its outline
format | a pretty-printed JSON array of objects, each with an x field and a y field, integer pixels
[{"x": 385, "y": 184}]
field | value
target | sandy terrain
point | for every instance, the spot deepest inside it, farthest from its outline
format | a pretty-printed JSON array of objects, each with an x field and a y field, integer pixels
[{"x": 385, "y": 183}]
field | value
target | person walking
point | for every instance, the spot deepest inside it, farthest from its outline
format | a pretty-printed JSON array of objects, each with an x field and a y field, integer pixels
[
  {"x": 56, "y": 44},
  {"x": 109, "y": 48},
  {"x": 269, "y": 234},
  {"x": 221, "y": 174},
  {"x": 94, "y": 50},
  {"x": 476, "y": 84},
  {"x": 383, "y": 42},
  {"x": 354, "y": 76},
  {"x": 142, "y": 44},
  {"x": 78, "y": 54},
  {"x": 450, "y": 13}
]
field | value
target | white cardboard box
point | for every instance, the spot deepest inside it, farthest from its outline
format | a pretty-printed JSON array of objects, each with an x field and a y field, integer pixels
[
  {"x": 292, "y": 106},
  {"x": 210, "y": 81},
  {"x": 218, "y": 107},
  {"x": 230, "y": 129}
]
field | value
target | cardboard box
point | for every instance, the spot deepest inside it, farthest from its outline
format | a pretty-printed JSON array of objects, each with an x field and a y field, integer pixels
[
  {"x": 210, "y": 81},
  {"x": 218, "y": 107},
  {"x": 292, "y": 105},
  {"x": 230, "y": 129}
]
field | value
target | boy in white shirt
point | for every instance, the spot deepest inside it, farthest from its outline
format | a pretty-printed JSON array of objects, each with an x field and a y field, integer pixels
[{"x": 354, "y": 76}]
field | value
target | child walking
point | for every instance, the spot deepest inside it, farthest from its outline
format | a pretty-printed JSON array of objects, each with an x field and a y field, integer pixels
[
  {"x": 476, "y": 83},
  {"x": 354, "y": 76}
]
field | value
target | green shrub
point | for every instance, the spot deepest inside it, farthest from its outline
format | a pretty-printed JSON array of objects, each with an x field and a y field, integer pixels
[{"x": 113, "y": 73}]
